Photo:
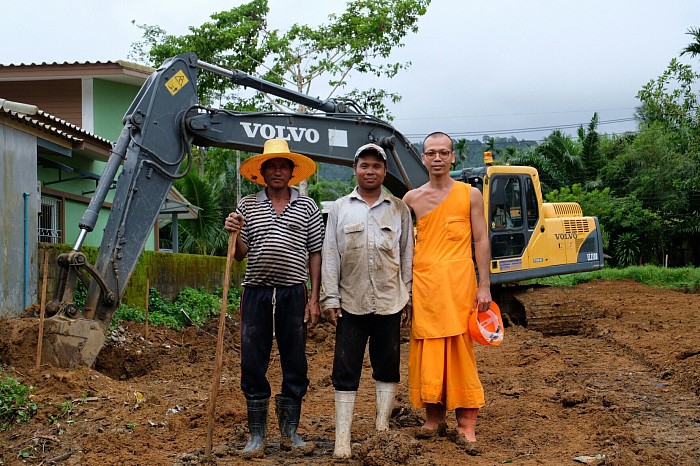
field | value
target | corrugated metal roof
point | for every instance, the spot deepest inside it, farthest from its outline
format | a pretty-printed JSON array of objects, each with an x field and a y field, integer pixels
[
  {"x": 73, "y": 127},
  {"x": 31, "y": 115},
  {"x": 35, "y": 123},
  {"x": 119, "y": 71},
  {"x": 122, "y": 63}
]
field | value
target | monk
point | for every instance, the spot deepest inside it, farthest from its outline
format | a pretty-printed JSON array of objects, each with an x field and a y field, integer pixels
[{"x": 442, "y": 373}]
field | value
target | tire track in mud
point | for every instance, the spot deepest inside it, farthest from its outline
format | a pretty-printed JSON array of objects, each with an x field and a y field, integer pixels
[{"x": 641, "y": 415}]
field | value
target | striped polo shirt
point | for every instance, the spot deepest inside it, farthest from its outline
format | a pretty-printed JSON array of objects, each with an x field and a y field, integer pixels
[{"x": 279, "y": 246}]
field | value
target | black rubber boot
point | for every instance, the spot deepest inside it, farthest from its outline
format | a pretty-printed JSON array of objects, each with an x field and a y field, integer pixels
[
  {"x": 257, "y": 425},
  {"x": 288, "y": 412}
]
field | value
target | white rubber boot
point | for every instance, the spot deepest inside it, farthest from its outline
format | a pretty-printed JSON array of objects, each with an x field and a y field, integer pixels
[
  {"x": 385, "y": 403},
  {"x": 344, "y": 406}
]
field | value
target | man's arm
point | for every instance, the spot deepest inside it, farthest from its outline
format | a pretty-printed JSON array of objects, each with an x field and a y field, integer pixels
[
  {"x": 408, "y": 198},
  {"x": 235, "y": 223},
  {"x": 406, "y": 243},
  {"x": 312, "y": 310},
  {"x": 330, "y": 267},
  {"x": 482, "y": 249}
]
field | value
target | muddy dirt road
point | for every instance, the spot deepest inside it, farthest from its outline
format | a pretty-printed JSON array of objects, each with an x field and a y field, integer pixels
[{"x": 623, "y": 390}]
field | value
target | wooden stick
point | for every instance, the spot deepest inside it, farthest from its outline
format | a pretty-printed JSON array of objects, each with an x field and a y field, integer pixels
[
  {"x": 41, "y": 310},
  {"x": 148, "y": 290},
  {"x": 220, "y": 344}
]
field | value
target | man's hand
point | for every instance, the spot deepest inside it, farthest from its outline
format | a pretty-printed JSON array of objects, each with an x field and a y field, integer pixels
[
  {"x": 482, "y": 301},
  {"x": 312, "y": 312},
  {"x": 234, "y": 222},
  {"x": 407, "y": 315},
  {"x": 333, "y": 315}
]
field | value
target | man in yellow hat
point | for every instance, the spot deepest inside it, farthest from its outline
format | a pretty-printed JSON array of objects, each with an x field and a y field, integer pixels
[{"x": 281, "y": 234}]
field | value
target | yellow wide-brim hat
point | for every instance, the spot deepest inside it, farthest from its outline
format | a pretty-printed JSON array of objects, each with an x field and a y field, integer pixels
[{"x": 304, "y": 167}]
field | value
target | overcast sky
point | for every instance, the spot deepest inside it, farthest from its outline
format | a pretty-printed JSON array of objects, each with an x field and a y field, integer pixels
[{"x": 499, "y": 67}]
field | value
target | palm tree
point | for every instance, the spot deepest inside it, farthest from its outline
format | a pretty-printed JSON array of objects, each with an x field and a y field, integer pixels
[
  {"x": 462, "y": 151},
  {"x": 564, "y": 156},
  {"x": 205, "y": 234},
  {"x": 694, "y": 47}
]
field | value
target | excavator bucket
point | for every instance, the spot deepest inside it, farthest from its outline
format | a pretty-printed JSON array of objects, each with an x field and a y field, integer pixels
[{"x": 70, "y": 343}]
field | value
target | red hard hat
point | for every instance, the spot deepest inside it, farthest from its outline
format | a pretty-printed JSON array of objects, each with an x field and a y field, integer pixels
[{"x": 486, "y": 328}]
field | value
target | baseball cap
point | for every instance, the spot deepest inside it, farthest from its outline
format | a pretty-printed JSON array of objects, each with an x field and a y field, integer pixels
[
  {"x": 486, "y": 328},
  {"x": 371, "y": 147}
]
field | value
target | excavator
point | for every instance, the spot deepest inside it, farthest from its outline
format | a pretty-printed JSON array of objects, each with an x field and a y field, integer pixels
[{"x": 529, "y": 238}]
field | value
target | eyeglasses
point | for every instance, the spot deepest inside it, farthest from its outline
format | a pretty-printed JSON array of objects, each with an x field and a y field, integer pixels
[{"x": 444, "y": 154}]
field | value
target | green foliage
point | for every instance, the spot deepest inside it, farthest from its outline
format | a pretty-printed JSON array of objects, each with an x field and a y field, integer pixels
[
  {"x": 191, "y": 307},
  {"x": 627, "y": 249},
  {"x": 205, "y": 234},
  {"x": 693, "y": 49},
  {"x": 80, "y": 294},
  {"x": 329, "y": 190},
  {"x": 199, "y": 305},
  {"x": 234, "y": 298},
  {"x": 233, "y": 39},
  {"x": 360, "y": 39},
  {"x": 15, "y": 402},
  {"x": 681, "y": 278}
]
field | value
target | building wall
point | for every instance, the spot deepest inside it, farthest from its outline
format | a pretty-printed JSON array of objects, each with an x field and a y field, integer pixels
[
  {"x": 17, "y": 176},
  {"x": 59, "y": 97},
  {"x": 111, "y": 100}
]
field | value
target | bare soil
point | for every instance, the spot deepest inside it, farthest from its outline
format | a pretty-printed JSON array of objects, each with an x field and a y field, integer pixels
[{"x": 621, "y": 387}]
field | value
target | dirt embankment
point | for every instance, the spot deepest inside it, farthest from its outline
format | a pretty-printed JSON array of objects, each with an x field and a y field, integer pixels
[{"x": 623, "y": 388}]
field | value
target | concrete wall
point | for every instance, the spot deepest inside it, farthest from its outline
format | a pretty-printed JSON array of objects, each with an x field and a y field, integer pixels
[
  {"x": 18, "y": 174},
  {"x": 168, "y": 273}
]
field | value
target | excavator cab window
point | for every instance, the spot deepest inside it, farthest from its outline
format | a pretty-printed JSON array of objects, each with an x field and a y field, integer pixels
[
  {"x": 506, "y": 216},
  {"x": 531, "y": 204}
]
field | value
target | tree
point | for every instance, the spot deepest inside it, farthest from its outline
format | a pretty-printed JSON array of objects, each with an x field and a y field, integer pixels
[
  {"x": 461, "y": 150},
  {"x": 205, "y": 234},
  {"x": 359, "y": 40},
  {"x": 694, "y": 47}
]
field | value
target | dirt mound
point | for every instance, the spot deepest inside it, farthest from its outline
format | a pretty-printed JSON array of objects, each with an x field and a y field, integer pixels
[
  {"x": 389, "y": 448},
  {"x": 623, "y": 389}
]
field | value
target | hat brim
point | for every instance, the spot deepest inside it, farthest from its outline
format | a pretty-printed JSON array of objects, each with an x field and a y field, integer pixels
[{"x": 304, "y": 167}]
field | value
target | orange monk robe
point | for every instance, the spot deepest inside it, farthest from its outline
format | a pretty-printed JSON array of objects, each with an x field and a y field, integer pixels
[{"x": 441, "y": 364}]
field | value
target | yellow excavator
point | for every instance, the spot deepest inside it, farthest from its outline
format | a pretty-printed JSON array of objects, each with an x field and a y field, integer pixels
[
  {"x": 529, "y": 238},
  {"x": 532, "y": 239}
]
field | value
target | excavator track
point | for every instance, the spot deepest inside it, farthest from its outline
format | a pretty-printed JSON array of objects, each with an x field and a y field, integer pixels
[{"x": 541, "y": 312}]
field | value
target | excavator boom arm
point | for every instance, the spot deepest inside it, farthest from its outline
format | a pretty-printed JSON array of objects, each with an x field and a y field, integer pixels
[{"x": 163, "y": 122}]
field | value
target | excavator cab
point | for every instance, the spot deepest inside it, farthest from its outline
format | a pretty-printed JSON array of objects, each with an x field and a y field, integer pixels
[{"x": 530, "y": 238}]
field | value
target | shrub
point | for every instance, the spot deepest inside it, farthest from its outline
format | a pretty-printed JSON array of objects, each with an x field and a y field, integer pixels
[
  {"x": 191, "y": 307},
  {"x": 15, "y": 405}
]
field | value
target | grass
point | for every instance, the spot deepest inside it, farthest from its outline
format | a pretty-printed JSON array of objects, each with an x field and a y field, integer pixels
[
  {"x": 15, "y": 403},
  {"x": 683, "y": 279}
]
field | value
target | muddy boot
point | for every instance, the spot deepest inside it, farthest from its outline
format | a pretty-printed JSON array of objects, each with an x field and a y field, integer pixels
[
  {"x": 257, "y": 425},
  {"x": 385, "y": 404},
  {"x": 288, "y": 412},
  {"x": 344, "y": 406}
]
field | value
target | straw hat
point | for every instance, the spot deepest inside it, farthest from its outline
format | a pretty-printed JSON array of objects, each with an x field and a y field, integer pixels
[
  {"x": 486, "y": 328},
  {"x": 304, "y": 167}
]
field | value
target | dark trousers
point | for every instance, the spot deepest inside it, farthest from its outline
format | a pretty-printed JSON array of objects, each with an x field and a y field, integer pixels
[
  {"x": 351, "y": 335},
  {"x": 256, "y": 340}
]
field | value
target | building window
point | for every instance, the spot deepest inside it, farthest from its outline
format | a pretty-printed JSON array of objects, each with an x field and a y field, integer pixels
[{"x": 50, "y": 220}]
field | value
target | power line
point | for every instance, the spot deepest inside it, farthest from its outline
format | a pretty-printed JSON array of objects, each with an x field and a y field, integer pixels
[
  {"x": 459, "y": 117},
  {"x": 525, "y": 130}
]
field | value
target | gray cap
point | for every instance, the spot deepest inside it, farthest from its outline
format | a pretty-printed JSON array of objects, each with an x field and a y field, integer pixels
[{"x": 371, "y": 147}]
